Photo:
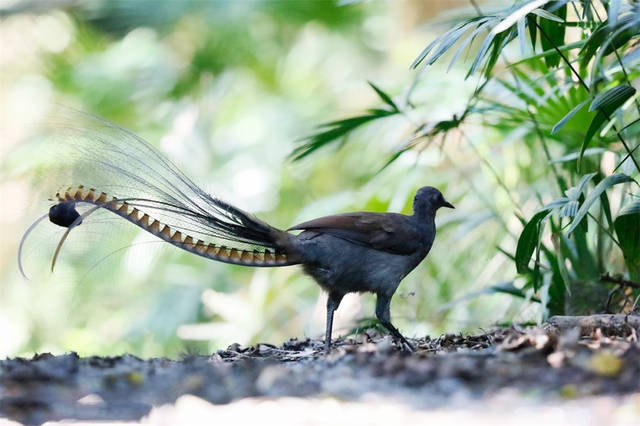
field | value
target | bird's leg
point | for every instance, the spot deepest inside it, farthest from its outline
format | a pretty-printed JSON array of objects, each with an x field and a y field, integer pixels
[
  {"x": 332, "y": 304},
  {"x": 383, "y": 304}
]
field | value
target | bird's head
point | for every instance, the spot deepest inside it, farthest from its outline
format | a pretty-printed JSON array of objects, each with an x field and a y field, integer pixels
[{"x": 428, "y": 200}]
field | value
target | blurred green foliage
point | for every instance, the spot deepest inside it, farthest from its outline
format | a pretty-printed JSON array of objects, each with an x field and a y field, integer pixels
[
  {"x": 588, "y": 57},
  {"x": 225, "y": 89}
]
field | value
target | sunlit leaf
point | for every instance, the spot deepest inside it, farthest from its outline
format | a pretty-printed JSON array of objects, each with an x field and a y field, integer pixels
[
  {"x": 465, "y": 43},
  {"x": 446, "y": 44},
  {"x": 523, "y": 11},
  {"x": 547, "y": 15},
  {"x": 448, "y": 39},
  {"x": 522, "y": 38},
  {"x": 484, "y": 48},
  {"x": 594, "y": 195}
]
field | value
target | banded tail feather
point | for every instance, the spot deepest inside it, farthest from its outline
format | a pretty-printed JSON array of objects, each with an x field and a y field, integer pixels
[
  {"x": 125, "y": 175},
  {"x": 64, "y": 213}
]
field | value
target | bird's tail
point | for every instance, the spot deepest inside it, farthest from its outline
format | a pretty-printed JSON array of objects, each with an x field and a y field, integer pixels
[
  {"x": 241, "y": 228},
  {"x": 123, "y": 174}
]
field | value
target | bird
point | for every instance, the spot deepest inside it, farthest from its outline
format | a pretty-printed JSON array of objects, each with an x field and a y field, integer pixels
[
  {"x": 344, "y": 253},
  {"x": 367, "y": 252}
]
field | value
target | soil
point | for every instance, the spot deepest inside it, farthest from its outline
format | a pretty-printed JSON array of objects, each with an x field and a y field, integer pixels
[{"x": 564, "y": 361}]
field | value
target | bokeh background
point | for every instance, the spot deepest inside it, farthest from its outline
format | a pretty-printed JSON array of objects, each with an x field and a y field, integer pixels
[{"x": 225, "y": 89}]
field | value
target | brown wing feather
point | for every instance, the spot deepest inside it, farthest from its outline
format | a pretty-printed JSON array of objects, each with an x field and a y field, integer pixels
[{"x": 390, "y": 232}]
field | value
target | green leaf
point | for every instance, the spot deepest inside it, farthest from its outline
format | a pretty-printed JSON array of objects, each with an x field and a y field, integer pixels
[
  {"x": 556, "y": 204},
  {"x": 567, "y": 117},
  {"x": 533, "y": 31},
  {"x": 519, "y": 13},
  {"x": 464, "y": 44},
  {"x": 500, "y": 41},
  {"x": 528, "y": 241},
  {"x": 613, "y": 11},
  {"x": 627, "y": 226},
  {"x": 606, "y": 103},
  {"x": 424, "y": 53},
  {"x": 594, "y": 195},
  {"x": 574, "y": 155},
  {"x": 610, "y": 100},
  {"x": 448, "y": 39},
  {"x": 386, "y": 98},
  {"x": 558, "y": 286},
  {"x": 555, "y": 32},
  {"x": 522, "y": 38},
  {"x": 576, "y": 191},
  {"x": 334, "y": 130},
  {"x": 509, "y": 288},
  {"x": 584, "y": 264},
  {"x": 561, "y": 257},
  {"x": 609, "y": 37},
  {"x": 630, "y": 209},
  {"x": 446, "y": 44},
  {"x": 595, "y": 125},
  {"x": 570, "y": 209},
  {"x": 606, "y": 208},
  {"x": 547, "y": 15},
  {"x": 486, "y": 44},
  {"x": 550, "y": 52}
]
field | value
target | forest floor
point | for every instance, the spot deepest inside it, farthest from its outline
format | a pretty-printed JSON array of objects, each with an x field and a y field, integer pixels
[{"x": 571, "y": 370}]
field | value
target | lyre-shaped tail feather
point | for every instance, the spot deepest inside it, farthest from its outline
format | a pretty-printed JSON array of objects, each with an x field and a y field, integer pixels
[
  {"x": 128, "y": 210},
  {"x": 145, "y": 188}
]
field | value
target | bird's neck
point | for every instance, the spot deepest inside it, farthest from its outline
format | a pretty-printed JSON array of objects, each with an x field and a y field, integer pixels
[
  {"x": 425, "y": 222},
  {"x": 425, "y": 215}
]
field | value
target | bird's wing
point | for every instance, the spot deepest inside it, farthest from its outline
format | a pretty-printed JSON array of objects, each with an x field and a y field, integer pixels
[{"x": 389, "y": 232}]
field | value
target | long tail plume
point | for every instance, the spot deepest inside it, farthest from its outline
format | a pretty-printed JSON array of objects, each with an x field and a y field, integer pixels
[{"x": 117, "y": 171}]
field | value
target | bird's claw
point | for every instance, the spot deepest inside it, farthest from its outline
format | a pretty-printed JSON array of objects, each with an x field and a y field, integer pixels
[{"x": 406, "y": 345}]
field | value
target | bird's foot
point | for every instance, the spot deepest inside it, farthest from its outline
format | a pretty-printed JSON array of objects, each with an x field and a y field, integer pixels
[{"x": 406, "y": 345}]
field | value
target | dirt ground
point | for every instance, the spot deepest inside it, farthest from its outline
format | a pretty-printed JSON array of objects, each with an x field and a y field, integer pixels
[{"x": 571, "y": 370}]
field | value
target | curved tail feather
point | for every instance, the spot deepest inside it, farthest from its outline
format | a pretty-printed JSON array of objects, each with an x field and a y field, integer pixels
[
  {"x": 128, "y": 210},
  {"x": 139, "y": 184}
]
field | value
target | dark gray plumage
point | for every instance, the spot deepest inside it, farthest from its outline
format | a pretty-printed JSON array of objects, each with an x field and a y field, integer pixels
[{"x": 367, "y": 252}]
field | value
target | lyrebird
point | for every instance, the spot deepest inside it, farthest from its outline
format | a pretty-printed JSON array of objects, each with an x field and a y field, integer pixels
[{"x": 115, "y": 170}]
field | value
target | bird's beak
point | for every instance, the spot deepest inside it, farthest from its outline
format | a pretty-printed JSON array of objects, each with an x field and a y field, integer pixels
[{"x": 448, "y": 204}]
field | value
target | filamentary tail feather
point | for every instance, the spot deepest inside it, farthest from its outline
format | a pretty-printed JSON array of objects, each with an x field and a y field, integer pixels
[{"x": 139, "y": 184}]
